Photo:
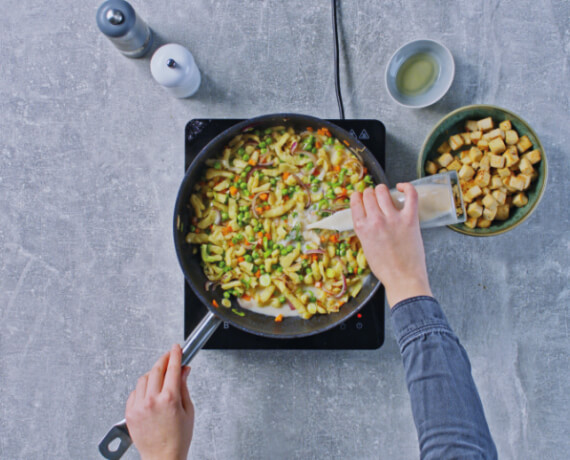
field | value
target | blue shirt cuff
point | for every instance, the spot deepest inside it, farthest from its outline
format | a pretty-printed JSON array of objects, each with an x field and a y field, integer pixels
[{"x": 417, "y": 316}]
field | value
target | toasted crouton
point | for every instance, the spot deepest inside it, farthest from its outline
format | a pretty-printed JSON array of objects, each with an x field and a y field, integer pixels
[
  {"x": 497, "y": 161},
  {"x": 524, "y": 144},
  {"x": 533, "y": 156},
  {"x": 471, "y": 125},
  {"x": 466, "y": 173},
  {"x": 500, "y": 196},
  {"x": 444, "y": 148},
  {"x": 520, "y": 200},
  {"x": 502, "y": 212},
  {"x": 483, "y": 223},
  {"x": 485, "y": 124},
  {"x": 474, "y": 210},
  {"x": 505, "y": 125},
  {"x": 525, "y": 167},
  {"x": 497, "y": 145},
  {"x": 455, "y": 142},
  {"x": 431, "y": 167},
  {"x": 511, "y": 137},
  {"x": 445, "y": 159}
]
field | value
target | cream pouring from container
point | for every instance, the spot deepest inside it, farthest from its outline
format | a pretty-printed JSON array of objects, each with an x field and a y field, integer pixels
[{"x": 436, "y": 205}]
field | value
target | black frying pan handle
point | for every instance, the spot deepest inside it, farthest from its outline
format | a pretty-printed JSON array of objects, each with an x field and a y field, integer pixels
[
  {"x": 120, "y": 432},
  {"x": 196, "y": 340}
]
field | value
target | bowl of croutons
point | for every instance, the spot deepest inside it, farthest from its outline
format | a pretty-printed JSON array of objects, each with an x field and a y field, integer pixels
[{"x": 500, "y": 162}]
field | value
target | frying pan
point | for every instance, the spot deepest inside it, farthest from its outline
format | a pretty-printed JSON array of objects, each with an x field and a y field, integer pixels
[{"x": 246, "y": 320}]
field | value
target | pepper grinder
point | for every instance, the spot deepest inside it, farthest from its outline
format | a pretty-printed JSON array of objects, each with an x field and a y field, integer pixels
[
  {"x": 118, "y": 20},
  {"x": 173, "y": 66}
]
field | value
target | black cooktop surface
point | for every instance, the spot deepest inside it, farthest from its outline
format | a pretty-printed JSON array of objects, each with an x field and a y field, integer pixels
[{"x": 364, "y": 330}]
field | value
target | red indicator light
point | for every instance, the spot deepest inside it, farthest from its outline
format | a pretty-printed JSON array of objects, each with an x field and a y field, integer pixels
[{"x": 359, "y": 315}]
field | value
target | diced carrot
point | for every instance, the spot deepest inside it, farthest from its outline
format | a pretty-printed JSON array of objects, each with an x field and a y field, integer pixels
[
  {"x": 267, "y": 207},
  {"x": 285, "y": 175},
  {"x": 318, "y": 145},
  {"x": 365, "y": 170},
  {"x": 246, "y": 297},
  {"x": 240, "y": 259},
  {"x": 230, "y": 243},
  {"x": 197, "y": 230},
  {"x": 233, "y": 190},
  {"x": 214, "y": 303},
  {"x": 318, "y": 284},
  {"x": 337, "y": 168},
  {"x": 279, "y": 318},
  {"x": 315, "y": 257},
  {"x": 252, "y": 162},
  {"x": 355, "y": 270},
  {"x": 316, "y": 172},
  {"x": 236, "y": 178},
  {"x": 264, "y": 196},
  {"x": 260, "y": 234},
  {"x": 303, "y": 256},
  {"x": 346, "y": 143},
  {"x": 251, "y": 197},
  {"x": 323, "y": 238},
  {"x": 333, "y": 238},
  {"x": 258, "y": 274},
  {"x": 343, "y": 192},
  {"x": 286, "y": 198},
  {"x": 259, "y": 209},
  {"x": 268, "y": 236},
  {"x": 310, "y": 129}
]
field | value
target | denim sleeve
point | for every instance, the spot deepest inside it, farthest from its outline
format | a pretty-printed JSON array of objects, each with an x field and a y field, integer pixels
[{"x": 446, "y": 407}]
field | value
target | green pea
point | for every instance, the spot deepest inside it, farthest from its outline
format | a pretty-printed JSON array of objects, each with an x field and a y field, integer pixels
[
  {"x": 360, "y": 271},
  {"x": 282, "y": 299},
  {"x": 245, "y": 157},
  {"x": 248, "y": 169},
  {"x": 263, "y": 150},
  {"x": 350, "y": 187},
  {"x": 248, "y": 258},
  {"x": 227, "y": 294},
  {"x": 192, "y": 228},
  {"x": 221, "y": 264},
  {"x": 261, "y": 145},
  {"x": 225, "y": 215},
  {"x": 268, "y": 131},
  {"x": 309, "y": 165},
  {"x": 308, "y": 271},
  {"x": 217, "y": 165},
  {"x": 241, "y": 151},
  {"x": 330, "y": 141}
]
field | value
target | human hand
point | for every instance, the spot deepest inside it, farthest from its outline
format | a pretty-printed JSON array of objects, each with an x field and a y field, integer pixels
[
  {"x": 160, "y": 413},
  {"x": 391, "y": 241}
]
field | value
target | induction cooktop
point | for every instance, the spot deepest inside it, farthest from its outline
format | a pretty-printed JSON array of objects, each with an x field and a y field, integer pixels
[{"x": 364, "y": 330}]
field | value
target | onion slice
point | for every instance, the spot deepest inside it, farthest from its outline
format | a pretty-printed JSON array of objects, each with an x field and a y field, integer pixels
[
  {"x": 293, "y": 146},
  {"x": 315, "y": 251},
  {"x": 343, "y": 290},
  {"x": 253, "y": 204}
]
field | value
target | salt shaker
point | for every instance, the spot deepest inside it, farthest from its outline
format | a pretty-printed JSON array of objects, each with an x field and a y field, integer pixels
[
  {"x": 173, "y": 66},
  {"x": 118, "y": 20}
]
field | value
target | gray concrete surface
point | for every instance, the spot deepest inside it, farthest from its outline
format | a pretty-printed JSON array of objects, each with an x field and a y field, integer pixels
[{"x": 91, "y": 159}]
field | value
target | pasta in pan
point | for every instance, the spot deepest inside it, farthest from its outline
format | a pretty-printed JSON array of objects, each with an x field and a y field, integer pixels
[{"x": 250, "y": 211}]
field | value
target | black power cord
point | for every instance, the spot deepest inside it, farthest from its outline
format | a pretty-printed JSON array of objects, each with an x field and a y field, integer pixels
[{"x": 336, "y": 63}]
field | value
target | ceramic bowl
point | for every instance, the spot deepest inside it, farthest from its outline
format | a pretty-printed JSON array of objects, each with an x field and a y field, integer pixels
[
  {"x": 443, "y": 79},
  {"x": 454, "y": 123}
]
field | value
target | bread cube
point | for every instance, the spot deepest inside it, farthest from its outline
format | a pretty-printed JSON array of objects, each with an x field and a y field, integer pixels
[
  {"x": 524, "y": 144},
  {"x": 502, "y": 212},
  {"x": 445, "y": 159},
  {"x": 525, "y": 167},
  {"x": 504, "y": 172},
  {"x": 455, "y": 165},
  {"x": 485, "y": 163},
  {"x": 497, "y": 145},
  {"x": 475, "y": 154},
  {"x": 507, "y": 184},
  {"x": 472, "y": 193},
  {"x": 500, "y": 196},
  {"x": 482, "y": 178},
  {"x": 465, "y": 158},
  {"x": 497, "y": 161},
  {"x": 444, "y": 148},
  {"x": 475, "y": 165},
  {"x": 511, "y": 137},
  {"x": 483, "y": 145},
  {"x": 505, "y": 125},
  {"x": 471, "y": 125},
  {"x": 533, "y": 156},
  {"x": 474, "y": 210},
  {"x": 471, "y": 222},
  {"x": 466, "y": 173},
  {"x": 431, "y": 167},
  {"x": 490, "y": 202},
  {"x": 527, "y": 180},
  {"x": 517, "y": 183},
  {"x": 489, "y": 214},
  {"x": 483, "y": 223},
  {"x": 520, "y": 200},
  {"x": 476, "y": 136},
  {"x": 455, "y": 142},
  {"x": 496, "y": 182},
  {"x": 466, "y": 138},
  {"x": 486, "y": 124},
  {"x": 511, "y": 156},
  {"x": 494, "y": 134}
]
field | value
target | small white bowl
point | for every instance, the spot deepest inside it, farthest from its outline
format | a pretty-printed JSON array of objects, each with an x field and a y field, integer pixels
[{"x": 443, "y": 79}]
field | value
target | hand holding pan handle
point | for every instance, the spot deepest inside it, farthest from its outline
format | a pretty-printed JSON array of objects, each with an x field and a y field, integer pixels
[{"x": 193, "y": 344}]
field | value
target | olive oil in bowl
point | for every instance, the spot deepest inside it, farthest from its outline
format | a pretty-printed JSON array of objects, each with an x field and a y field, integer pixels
[{"x": 417, "y": 74}]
